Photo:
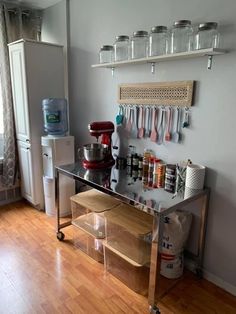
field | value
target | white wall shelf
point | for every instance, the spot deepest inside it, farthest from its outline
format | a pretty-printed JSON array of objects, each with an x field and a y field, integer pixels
[{"x": 168, "y": 57}]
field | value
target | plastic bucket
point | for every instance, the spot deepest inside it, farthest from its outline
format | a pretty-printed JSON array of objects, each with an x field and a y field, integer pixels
[{"x": 55, "y": 116}]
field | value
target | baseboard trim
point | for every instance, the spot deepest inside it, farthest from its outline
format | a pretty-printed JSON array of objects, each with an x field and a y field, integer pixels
[
  {"x": 212, "y": 278},
  {"x": 9, "y": 201},
  {"x": 219, "y": 282}
]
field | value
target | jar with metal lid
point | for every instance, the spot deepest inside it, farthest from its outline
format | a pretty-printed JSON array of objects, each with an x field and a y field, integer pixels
[
  {"x": 158, "y": 41},
  {"x": 139, "y": 45},
  {"x": 207, "y": 36},
  {"x": 181, "y": 37},
  {"x": 106, "y": 54},
  {"x": 121, "y": 48}
]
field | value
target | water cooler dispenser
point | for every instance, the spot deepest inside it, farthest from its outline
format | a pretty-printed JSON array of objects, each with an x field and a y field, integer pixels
[{"x": 57, "y": 150}]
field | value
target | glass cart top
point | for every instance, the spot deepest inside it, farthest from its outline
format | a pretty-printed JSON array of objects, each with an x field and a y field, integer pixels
[{"x": 118, "y": 183}]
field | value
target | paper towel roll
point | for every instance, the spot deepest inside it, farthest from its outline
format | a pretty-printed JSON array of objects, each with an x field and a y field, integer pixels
[
  {"x": 195, "y": 176},
  {"x": 188, "y": 192}
]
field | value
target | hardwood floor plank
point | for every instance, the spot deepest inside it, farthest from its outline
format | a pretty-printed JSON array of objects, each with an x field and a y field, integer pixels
[{"x": 39, "y": 274}]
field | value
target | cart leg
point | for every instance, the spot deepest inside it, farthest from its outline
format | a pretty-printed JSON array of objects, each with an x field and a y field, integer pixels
[
  {"x": 154, "y": 310},
  {"x": 202, "y": 234},
  {"x": 158, "y": 222},
  {"x": 60, "y": 235}
]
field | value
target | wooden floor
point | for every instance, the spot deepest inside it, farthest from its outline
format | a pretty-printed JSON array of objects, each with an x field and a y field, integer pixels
[{"x": 39, "y": 274}]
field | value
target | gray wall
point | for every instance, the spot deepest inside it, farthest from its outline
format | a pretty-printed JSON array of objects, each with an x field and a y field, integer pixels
[{"x": 210, "y": 140}]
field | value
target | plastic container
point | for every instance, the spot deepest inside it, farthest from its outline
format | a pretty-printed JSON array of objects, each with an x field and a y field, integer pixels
[
  {"x": 181, "y": 37},
  {"x": 121, "y": 48},
  {"x": 132, "y": 274},
  {"x": 88, "y": 244},
  {"x": 106, "y": 54},
  {"x": 207, "y": 36},
  {"x": 88, "y": 217},
  {"x": 139, "y": 45},
  {"x": 55, "y": 116},
  {"x": 91, "y": 201},
  {"x": 126, "y": 222},
  {"x": 158, "y": 41}
]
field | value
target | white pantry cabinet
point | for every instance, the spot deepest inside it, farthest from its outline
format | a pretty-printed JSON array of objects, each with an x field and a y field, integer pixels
[
  {"x": 37, "y": 72},
  {"x": 25, "y": 159}
]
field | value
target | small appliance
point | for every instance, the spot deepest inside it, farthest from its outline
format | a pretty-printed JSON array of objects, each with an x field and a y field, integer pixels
[{"x": 105, "y": 130}]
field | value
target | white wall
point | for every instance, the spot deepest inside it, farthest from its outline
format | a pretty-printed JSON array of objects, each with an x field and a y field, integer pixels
[
  {"x": 210, "y": 140},
  {"x": 55, "y": 30}
]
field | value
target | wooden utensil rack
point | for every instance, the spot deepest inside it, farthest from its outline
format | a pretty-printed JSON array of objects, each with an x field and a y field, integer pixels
[{"x": 179, "y": 93}]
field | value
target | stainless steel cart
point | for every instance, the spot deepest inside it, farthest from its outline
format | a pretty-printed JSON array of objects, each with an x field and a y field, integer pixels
[{"x": 160, "y": 203}]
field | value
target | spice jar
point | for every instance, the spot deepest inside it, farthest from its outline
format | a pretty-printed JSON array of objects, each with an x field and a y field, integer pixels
[
  {"x": 135, "y": 161},
  {"x": 139, "y": 45},
  {"x": 207, "y": 36},
  {"x": 161, "y": 168},
  {"x": 106, "y": 54},
  {"x": 150, "y": 171},
  {"x": 121, "y": 48},
  {"x": 170, "y": 178},
  {"x": 181, "y": 36},
  {"x": 158, "y": 41},
  {"x": 155, "y": 172}
]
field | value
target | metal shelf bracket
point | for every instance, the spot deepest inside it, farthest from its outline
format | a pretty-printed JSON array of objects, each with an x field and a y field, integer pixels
[
  {"x": 112, "y": 71},
  {"x": 209, "y": 62},
  {"x": 153, "y": 66}
]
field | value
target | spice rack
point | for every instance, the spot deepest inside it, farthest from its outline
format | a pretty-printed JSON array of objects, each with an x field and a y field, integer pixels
[{"x": 210, "y": 52}]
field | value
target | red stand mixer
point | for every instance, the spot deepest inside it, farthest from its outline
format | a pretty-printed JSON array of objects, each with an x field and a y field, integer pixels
[{"x": 104, "y": 129}]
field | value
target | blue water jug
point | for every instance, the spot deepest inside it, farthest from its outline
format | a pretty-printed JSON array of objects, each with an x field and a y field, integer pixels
[{"x": 55, "y": 116}]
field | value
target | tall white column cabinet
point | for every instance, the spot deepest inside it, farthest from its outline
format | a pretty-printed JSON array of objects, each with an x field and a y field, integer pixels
[{"x": 37, "y": 72}]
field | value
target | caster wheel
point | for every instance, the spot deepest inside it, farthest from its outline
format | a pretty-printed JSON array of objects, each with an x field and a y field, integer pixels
[
  {"x": 199, "y": 273},
  {"x": 60, "y": 236},
  {"x": 154, "y": 310}
]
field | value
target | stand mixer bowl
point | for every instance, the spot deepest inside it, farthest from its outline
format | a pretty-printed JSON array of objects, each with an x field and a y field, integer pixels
[{"x": 95, "y": 152}]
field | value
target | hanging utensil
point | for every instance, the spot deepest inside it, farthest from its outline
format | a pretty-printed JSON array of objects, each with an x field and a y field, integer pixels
[
  {"x": 147, "y": 122},
  {"x": 120, "y": 115},
  {"x": 154, "y": 134},
  {"x": 150, "y": 122},
  {"x": 186, "y": 118},
  {"x": 169, "y": 120},
  {"x": 176, "y": 134},
  {"x": 137, "y": 112},
  {"x": 161, "y": 128},
  {"x": 125, "y": 117},
  {"x": 141, "y": 128},
  {"x": 134, "y": 130},
  {"x": 128, "y": 124}
]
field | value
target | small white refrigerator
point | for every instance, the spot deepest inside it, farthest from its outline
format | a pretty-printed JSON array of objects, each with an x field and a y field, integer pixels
[{"x": 57, "y": 151}]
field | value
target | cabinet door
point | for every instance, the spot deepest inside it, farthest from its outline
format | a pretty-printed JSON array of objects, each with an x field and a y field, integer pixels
[
  {"x": 25, "y": 159},
  {"x": 19, "y": 91}
]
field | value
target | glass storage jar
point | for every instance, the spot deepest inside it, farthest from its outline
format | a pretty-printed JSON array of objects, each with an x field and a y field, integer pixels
[
  {"x": 158, "y": 41},
  {"x": 181, "y": 37},
  {"x": 106, "y": 54},
  {"x": 207, "y": 36},
  {"x": 121, "y": 48},
  {"x": 139, "y": 45}
]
